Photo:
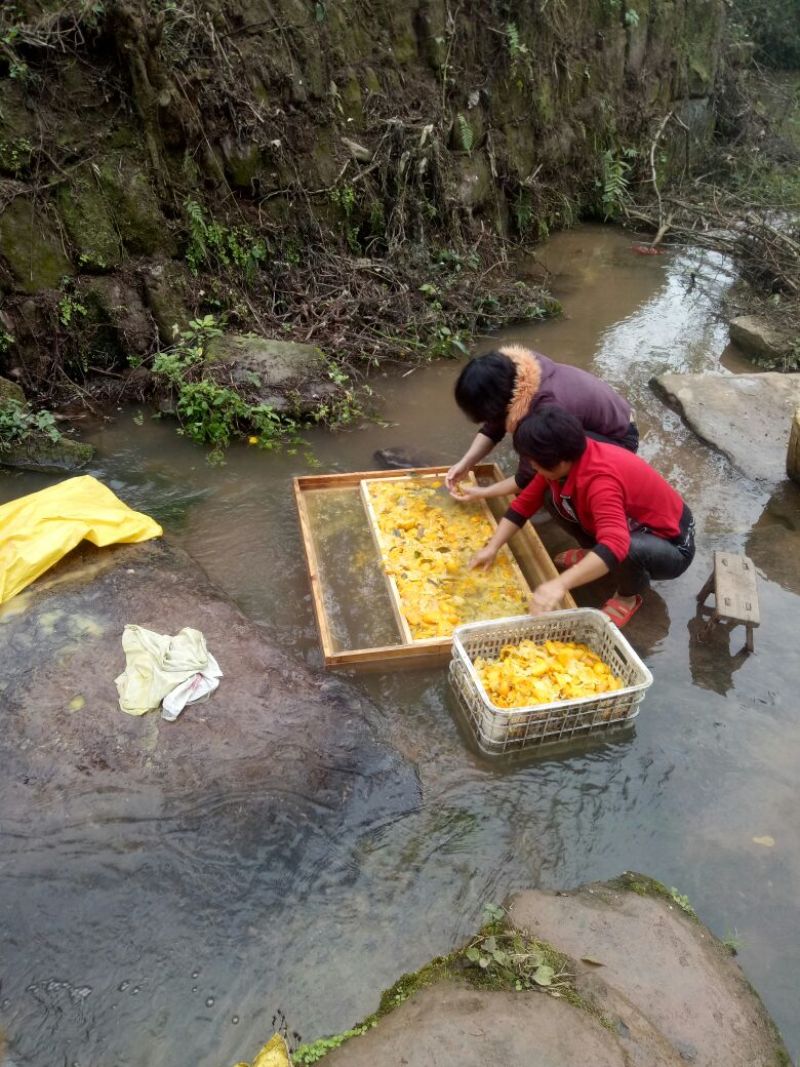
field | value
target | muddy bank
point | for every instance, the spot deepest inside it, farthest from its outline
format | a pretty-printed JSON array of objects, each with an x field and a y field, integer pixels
[
  {"x": 635, "y": 979},
  {"x": 216, "y": 814},
  {"x": 296, "y": 169}
]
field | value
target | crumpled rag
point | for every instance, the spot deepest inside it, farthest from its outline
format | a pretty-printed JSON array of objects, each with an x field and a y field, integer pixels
[
  {"x": 38, "y": 529},
  {"x": 170, "y": 671}
]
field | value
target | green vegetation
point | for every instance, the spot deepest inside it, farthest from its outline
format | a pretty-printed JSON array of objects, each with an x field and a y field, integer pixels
[
  {"x": 613, "y": 183},
  {"x": 774, "y": 26},
  {"x": 313, "y": 1053},
  {"x": 683, "y": 902},
  {"x": 211, "y": 413},
  {"x": 519, "y": 55},
  {"x": 497, "y": 958},
  {"x": 216, "y": 247},
  {"x": 18, "y": 423},
  {"x": 732, "y": 942}
]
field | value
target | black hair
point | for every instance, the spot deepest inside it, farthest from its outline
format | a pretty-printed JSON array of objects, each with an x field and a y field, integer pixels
[
  {"x": 485, "y": 387},
  {"x": 549, "y": 437}
]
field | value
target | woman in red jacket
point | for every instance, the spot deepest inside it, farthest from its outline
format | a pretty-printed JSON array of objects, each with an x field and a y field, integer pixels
[{"x": 630, "y": 520}]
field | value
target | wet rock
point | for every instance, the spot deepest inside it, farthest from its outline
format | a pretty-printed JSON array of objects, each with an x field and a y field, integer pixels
[
  {"x": 286, "y": 375},
  {"x": 40, "y": 453},
  {"x": 747, "y": 417},
  {"x": 758, "y": 339},
  {"x": 651, "y": 986},
  {"x": 402, "y": 458},
  {"x": 271, "y": 721}
]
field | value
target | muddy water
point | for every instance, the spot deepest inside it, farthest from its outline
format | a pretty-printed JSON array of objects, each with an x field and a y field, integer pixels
[{"x": 712, "y": 765}]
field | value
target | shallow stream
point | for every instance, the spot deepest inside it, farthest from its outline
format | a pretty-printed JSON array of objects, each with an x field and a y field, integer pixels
[{"x": 95, "y": 974}]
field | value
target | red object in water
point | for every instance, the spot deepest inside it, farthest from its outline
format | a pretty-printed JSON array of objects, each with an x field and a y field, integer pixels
[{"x": 647, "y": 250}]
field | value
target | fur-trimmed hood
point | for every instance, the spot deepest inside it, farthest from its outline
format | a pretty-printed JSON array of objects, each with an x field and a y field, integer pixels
[{"x": 526, "y": 386}]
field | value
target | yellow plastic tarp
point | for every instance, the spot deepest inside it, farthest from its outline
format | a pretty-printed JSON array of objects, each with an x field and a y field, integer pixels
[
  {"x": 37, "y": 530},
  {"x": 274, "y": 1054}
]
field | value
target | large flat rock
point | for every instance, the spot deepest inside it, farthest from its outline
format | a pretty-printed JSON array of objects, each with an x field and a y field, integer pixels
[
  {"x": 452, "y": 1026},
  {"x": 668, "y": 967},
  {"x": 747, "y": 417},
  {"x": 650, "y": 987},
  {"x": 186, "y": 862},
  {"x": 271, "y": 718}
]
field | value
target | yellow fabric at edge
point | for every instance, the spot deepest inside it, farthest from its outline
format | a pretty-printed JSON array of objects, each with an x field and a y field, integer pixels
[
  {"x": 37, "y": 530},
  {"x": 274, "y": 1054}
]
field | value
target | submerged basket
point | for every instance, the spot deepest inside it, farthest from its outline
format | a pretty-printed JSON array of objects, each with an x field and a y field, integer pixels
[{"x": 506, "y": 730}]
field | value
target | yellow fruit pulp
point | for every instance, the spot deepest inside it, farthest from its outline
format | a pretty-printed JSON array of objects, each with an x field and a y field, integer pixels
[
  {"x": 528, "y": 673},
  {"x": 427, "y": 540}
]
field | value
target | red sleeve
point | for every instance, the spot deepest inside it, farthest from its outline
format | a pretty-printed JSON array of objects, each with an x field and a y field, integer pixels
[
  {"x": 606, "y": 507},
  {"x": 528, "y": 502}
]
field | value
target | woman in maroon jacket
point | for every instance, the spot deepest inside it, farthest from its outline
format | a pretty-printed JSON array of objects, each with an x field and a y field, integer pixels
[
  {"x": 500, "y": 389},
  {"x": 629, "y": 519}
]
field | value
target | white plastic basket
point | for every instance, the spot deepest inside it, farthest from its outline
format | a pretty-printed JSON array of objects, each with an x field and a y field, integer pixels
[{"x": 506, "y": 730}]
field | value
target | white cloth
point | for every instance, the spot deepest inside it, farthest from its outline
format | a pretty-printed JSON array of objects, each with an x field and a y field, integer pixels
[{"x": 171, "y": 671}]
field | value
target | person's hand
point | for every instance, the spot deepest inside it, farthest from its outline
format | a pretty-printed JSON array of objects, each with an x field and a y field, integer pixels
[
  {"x": 547, "y": 596},
  {"x": 483, "y": 560},
  {"x": 454, "y": 475},
  {"x": 468, "y": 491}
]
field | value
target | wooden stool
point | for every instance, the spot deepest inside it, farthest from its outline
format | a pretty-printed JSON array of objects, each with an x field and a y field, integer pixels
[{"x": 733, "y": 582}]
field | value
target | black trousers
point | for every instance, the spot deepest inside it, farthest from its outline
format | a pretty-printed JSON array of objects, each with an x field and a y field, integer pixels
[
  {"x": 649, "y": 557},
  {"x": 629, "y": 441}
]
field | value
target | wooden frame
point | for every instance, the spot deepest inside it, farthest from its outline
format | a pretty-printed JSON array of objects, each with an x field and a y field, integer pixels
[
  {"x": 534, "y": 563},
  {"x": 383, "y": 547}
]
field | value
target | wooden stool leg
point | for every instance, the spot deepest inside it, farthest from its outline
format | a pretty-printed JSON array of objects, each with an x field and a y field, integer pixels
[
  {"x": 707, "y": 587},
  {"x": 749, "y": 639}
]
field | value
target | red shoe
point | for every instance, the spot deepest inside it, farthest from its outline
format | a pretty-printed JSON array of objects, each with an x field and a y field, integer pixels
[
  {"x": 619, "y": 614},
  {"x": 565, "y": 560}
]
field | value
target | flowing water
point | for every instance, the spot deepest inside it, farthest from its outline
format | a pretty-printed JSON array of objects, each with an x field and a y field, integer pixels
[{"x": 195, "y": 972}]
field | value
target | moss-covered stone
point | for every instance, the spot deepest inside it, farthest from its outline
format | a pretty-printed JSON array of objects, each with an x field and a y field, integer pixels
[
  {"x": 243, "y": 163},
  {"x": 10, "y": 391},
  {"x": 352, "y": 101},
  {"x": 89, "y": 222},
  {"x": 167, "y": 296},
  {"x": 39, "y": 453},
  {"x": 31, "y": 247},
  {"x": 372, "y": 83},
  {"x": 136, "y": 209}
]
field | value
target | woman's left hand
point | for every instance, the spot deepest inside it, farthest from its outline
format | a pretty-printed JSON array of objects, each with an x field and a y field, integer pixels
[{"x": 547, "y": 596}]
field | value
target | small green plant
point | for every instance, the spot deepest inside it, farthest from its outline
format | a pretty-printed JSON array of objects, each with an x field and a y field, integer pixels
[
  {"x": 344, "y": 196},
  {"x": 214, "y": 246},
  {"x": 682, "y": 901},
  {"x": 523, "y": 212},
  {"x": 466, "y": 136},
  {"x": 6, "y": 341},
  {"x": 613, "y": 183},
  {"x": 18, "y": 423},
  {"x": 732, "y": 942},
  {"x": 314, "y": 1052},
  {"x": 632, "y": 17},
  {"x": 70, "y": 307},
  {"x": 508, "y": 958},
  {"x": 15, "y": 155},
  {"x": 211, "y": 413},
  {"x": 518, "y": 54}
]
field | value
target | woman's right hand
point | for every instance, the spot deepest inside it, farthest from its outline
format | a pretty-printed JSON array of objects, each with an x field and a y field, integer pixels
[
  {"x": 484, "y": 559},
  {"x": 454, "y": 475}
]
